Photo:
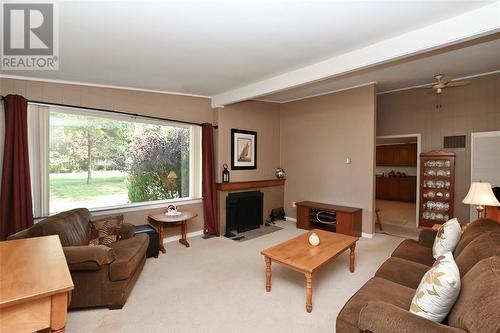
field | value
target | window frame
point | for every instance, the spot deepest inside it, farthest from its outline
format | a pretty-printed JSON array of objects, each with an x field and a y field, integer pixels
[{"x": 39, "y": 145}]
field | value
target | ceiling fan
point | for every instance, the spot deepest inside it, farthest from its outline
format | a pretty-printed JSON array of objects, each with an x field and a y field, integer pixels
[{"x": 444, "y": 81}]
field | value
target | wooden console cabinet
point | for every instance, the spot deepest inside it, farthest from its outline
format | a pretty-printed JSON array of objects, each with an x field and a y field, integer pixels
[{"x": 348, "y": 219}]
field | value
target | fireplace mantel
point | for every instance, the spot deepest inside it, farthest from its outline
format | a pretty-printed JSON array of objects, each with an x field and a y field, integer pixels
[{"x": 235, "y": 186}]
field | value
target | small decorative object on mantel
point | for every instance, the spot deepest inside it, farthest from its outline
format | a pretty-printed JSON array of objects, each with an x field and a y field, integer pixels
[
  {"x": 243, "y": 149},
  {"x": 172, "y": 210},
  {"x": 280, "y": 173},
  {"x": 225, "y": 174},
  {"x": 314, "y": 239}
]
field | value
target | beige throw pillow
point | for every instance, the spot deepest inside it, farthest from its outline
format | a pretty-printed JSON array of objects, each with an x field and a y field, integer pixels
[
  {"x": 438, "y": 290},
  {"x": 105, "y": 231},
  {"x": 447, "y": 238}
]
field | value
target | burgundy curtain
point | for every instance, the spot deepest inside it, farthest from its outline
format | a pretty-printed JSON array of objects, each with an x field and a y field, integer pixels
[
  {"x": 211, "y": 226},
  {"x": 16, "y": 211}
]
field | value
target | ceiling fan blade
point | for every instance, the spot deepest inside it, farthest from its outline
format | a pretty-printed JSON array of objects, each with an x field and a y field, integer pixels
[
  {"x": 445, "y": 79},
  {"x": 457, "y": 84}
]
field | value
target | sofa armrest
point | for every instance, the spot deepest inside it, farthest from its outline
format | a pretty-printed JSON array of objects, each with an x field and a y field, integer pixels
[
  {"x": 426, "y": 237},
  {"x": 19, "y": 235},
  {"x": 384, "y": 317},
  {"x": 88, "y": 257},
  {"x": 127, "y": 231}
]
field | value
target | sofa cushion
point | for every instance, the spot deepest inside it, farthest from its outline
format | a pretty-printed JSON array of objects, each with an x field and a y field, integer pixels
[
  {"x": 88, "y": 258},
  {"x": 473, "y": 230},
  {"x": 410, "y": 249},
  {"x": 405, "y": 272},
  {"x": 129, "y": 253},
  {"x": 105, "y": 231},
  {"x": 447, "y": 238},
  {"x": 484, "y": 246},
  {"x": 376, "y": 289},
  {"x": 438, "y": 290},
  {"x": 477, "y": 309}
]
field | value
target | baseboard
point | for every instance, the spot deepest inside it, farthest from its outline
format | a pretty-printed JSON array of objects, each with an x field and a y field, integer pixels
[
  {"x": 189, "y": 235},
  {"x": 291, "y": 219}
]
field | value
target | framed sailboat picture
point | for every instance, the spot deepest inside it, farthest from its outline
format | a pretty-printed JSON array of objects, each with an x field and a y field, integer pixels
[{"x": 243, "y": 149}]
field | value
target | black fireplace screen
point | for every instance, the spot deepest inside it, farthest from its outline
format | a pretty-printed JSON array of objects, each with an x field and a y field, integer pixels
[{"x": 243, "y": 211}]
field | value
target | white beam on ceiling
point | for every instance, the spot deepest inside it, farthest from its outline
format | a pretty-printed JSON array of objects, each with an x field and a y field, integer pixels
[{"x": 473, "y": 24}]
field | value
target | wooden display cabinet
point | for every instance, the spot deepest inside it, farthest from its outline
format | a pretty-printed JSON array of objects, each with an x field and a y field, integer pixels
[{"x": 437, "y": 187}]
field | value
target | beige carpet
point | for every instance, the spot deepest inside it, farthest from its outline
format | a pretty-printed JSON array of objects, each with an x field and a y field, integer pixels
[
  {"x": 218, "y": 285},
  {"x": 399, "y": 231}
]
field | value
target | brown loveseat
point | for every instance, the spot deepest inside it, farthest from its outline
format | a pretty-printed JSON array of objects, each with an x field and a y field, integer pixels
[
  {"x": 102, "y": 275},
  {"x": 382, "y": 304}
]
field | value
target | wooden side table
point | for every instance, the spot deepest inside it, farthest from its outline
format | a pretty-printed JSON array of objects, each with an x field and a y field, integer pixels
[{"x": 162, "y": 221}]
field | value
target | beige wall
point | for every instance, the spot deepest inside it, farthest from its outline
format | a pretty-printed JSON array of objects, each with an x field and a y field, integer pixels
[
  {"x": 263, "y": 118},
  {"x": 317, "y": 135},
  {"x": 177, "y": 107},
  {"x": 473, "y": 108}
]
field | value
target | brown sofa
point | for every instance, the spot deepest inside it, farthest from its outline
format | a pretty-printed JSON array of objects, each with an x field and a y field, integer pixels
[
  {"x": 382, "y": 304},
  {"x": 102, "y": 275}
]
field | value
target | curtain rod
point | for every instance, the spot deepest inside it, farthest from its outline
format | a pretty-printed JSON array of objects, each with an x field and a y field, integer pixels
[{"x": 118, "y": 112}]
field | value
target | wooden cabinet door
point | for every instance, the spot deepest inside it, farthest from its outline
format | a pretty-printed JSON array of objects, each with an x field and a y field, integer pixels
[
  {"x": 388, "y": 156},
  {"x": 407, "y": 189},
  {"x": 379, "y": 183},
  {"x": 345, "y": 223},
  {"x": 392, "y": 189},
  {"x": 379, "y": 155},
  {"x": 303, "y": 218},
  {"x": 397, "y": 155},
  {"x": 412, "y": 160},
  {"x": 403, "y": 155}
]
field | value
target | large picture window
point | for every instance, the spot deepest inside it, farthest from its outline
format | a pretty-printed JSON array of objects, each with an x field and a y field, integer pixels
[{"x": 98, "y": 160}]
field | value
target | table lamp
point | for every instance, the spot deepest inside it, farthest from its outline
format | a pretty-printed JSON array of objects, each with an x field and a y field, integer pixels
[{"x": 480, "y": 194}]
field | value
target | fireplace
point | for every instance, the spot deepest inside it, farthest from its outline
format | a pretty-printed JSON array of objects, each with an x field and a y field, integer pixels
[{"x": 243, "y": 211}]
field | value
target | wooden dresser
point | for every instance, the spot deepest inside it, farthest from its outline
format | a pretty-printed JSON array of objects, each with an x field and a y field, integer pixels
[
  {"x": 34, "y": 285},
  {"x": 348, "y": 219}
]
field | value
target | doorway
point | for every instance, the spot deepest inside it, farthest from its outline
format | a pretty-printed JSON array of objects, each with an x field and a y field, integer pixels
[{"x": 397, "y": 184}]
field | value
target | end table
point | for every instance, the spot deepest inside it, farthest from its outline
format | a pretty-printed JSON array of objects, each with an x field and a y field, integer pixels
[{"x": 162, "y": 221}]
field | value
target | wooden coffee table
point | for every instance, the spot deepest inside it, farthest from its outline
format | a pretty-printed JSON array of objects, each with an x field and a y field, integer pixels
[
  {"x": 162, "y": 221},
  {"x": 302, "y": 257}
]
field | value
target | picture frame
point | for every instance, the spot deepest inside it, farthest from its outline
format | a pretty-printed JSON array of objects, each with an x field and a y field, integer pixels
[{"x": 243, "y": 149}]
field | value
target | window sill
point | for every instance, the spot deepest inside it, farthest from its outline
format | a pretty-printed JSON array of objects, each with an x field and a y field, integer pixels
[
  {"x": 143, "y": 206},
  {"x": 136, "y": 207}
]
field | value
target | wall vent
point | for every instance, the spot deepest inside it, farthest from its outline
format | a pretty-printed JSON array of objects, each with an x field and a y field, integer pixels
[{"x": 454, "y": 141}]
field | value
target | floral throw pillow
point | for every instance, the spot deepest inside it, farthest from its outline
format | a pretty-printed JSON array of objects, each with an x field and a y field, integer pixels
[
  {"x": 447, "y": 238},
  {"x": 105, "y": 231},
  {"x": 438, "y": 290}
]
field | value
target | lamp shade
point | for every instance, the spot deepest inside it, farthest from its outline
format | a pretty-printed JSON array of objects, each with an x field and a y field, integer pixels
[
  {"x": 173, "y": 175},
  {"x": 481, "y": 194}
]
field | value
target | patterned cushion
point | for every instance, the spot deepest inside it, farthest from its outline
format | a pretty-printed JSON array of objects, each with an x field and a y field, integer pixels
[
  {"x": 438, "y": 290},
  {"x": 105, "y": 231},
  {"x": 447, "y": 238}
]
